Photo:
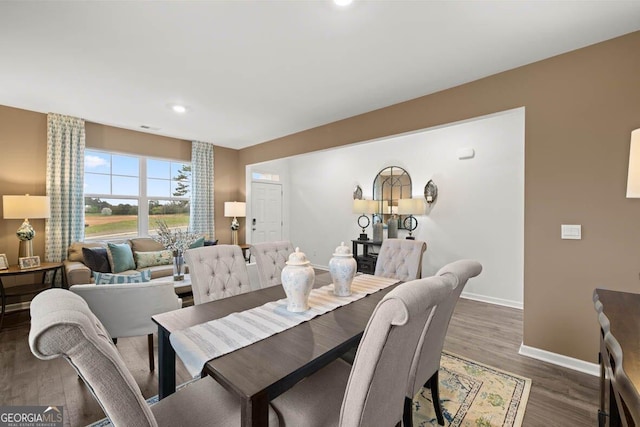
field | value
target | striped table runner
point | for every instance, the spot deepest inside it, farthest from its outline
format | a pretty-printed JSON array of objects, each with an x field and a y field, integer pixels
[{"x": 200, "y": 343}]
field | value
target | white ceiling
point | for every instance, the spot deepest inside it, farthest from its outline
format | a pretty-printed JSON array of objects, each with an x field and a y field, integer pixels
[{"x": 252, "y": 71}]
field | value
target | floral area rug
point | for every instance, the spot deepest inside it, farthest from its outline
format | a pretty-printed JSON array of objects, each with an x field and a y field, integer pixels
[{"x": 473, "y": 394}]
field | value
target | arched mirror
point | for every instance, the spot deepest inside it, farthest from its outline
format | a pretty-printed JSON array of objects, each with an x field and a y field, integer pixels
[{"x": 390, "y": 185}]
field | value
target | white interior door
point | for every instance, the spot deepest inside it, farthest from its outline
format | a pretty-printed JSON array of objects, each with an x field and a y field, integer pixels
[{"x": 266, "y": 212}]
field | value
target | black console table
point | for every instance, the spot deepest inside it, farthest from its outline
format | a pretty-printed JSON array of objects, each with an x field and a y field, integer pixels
[
  {"x": 366, "y": 260},
  {"x": 26, "y": 289}
]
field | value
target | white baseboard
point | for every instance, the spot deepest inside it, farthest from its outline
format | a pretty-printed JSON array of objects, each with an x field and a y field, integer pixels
[
  {"x": 492, "y": 300},
  {"x": 560, "y": 360}
]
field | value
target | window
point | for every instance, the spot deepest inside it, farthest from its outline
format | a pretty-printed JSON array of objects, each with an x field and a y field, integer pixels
[
  {"x": 260, "y": 176},
  {"x": 125, "y": 194}
]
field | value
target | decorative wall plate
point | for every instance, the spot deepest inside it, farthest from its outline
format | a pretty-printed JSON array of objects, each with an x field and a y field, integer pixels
[
  {"x": 430, "y": 192},
  {"x": 357, "y": 193}
]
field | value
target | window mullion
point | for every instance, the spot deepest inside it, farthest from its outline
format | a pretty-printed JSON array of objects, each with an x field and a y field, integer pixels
[{"x": 143, "y": 202}]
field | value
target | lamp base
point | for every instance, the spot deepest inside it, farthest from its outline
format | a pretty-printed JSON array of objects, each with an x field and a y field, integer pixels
[
  {"x": 363, "y": 236},
  {"x": 25, "y": 249},
  {"x": 411, "y": 238},
  {"x": 234, "y": 237}
]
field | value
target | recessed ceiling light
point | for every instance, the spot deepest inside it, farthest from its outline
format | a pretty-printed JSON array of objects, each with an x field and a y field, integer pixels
[
  {"x": 179, "y": 108},
  {"x": 342, "y": 2}
]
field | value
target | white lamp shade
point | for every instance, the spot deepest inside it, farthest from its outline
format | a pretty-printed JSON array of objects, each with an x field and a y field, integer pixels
[
  {"x": 25, "y": 207},
  {"x": 411, "y": 206},
  {"x": 235, "y": 209},
  {"x": 633, "y": 179},
  {"x": 361, "y": 206}
]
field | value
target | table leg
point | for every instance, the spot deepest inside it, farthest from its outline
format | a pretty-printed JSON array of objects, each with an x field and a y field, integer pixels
[
  {"x": 255, "y": 412},
  {"x": 167, "y": 362},
  {"x": 53, "y": 278}
]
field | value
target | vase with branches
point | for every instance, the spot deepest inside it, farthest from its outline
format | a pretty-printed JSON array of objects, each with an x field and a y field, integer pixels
[{"x": 177, "y": 241}]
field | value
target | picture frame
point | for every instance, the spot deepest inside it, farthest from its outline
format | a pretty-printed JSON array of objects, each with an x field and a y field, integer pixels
[
  {"x": 4, "y": 264},
  {"x": 29, "y": 262}
]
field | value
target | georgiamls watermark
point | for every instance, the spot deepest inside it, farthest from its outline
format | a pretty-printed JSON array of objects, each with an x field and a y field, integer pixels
[{"x": 31, "y": 416}]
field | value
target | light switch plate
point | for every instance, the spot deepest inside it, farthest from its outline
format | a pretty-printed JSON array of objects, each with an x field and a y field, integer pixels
[{"x": 571, "y": 231}]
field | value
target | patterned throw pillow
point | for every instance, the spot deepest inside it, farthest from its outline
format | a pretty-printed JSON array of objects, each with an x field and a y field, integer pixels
[
  {"x": 115, "y": 279},
  {"x": 120, "y": 257},
  {"x": 96, "y": 259},
  {"x": 151, "y": 259}
]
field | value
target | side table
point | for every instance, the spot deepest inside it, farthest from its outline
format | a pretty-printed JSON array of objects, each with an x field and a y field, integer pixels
[
  {"x": 26, "y": 289},
  {"x": 367, "y": 260}
]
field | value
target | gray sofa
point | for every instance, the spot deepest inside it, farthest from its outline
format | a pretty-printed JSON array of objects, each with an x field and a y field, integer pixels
[{"x": 78, "y": 273}]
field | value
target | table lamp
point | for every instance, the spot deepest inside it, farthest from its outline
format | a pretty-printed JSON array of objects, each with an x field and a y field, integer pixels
[
  {"x": 235, "y": 210},
  {"x": 364, "y": 207},
  {"x": 25, "y": 207},
  {"x": 633, "y": 179},
  {"x": 410, "y": 207}
]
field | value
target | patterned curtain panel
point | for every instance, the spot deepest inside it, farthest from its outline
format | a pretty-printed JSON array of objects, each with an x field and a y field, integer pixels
[
  {"x": 202, "y": 214},
  {"x": 65, "y": 178}
]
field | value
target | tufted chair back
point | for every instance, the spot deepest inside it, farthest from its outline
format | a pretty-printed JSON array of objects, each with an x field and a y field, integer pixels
[
  {"x": 217, "y": 272},
  {"x": 63, "y": 325},
  {"x": 270, "y": 259},
  {"x": 401, "y": 259},
  {"x": 426, "y": 362}
]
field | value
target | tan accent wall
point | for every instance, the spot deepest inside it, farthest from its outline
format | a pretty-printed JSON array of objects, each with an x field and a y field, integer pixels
[
  {"x": 111, "y": 138},
  {"x": 23, "y": 158},
  {"x": 580, "y": 110},
  {"x": 227, "y": 177}
]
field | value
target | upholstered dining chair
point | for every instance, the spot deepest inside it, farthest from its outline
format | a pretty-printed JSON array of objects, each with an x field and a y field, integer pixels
[
  {"x": 372, "y": 391},
  {"x": 217, "y": 272},
  {"x": 400, "y": 259},
  {"x": 270, "y": 259},
  {"x": 426, "y": 362},
  {"x": 62, "y": 325},
  {"x": 125, "y": 310}
]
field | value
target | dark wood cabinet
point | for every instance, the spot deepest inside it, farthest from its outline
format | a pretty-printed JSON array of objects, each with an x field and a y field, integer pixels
[
  {"x": 619, "y": 354},
  {"x": 368, "y": 257}
]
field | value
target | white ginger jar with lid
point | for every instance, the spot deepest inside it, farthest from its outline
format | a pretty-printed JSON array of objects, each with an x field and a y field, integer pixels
[
  {"x": 297, "y": 280},
  {"x": 342, "y": 268}
]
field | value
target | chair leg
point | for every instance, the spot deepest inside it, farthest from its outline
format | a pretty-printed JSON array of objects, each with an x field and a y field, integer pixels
[
  {"x": 150, "y": 345},
  {"x": 434, "y": 385},
  {"x": 407, "y": 416},
  {"x": 115, "y": 341}
]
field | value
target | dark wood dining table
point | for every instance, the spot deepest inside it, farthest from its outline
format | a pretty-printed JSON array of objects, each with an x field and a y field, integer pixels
[{"x": 262, "y": 371}]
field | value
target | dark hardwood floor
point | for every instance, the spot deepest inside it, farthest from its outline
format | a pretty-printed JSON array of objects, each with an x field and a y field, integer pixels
[
  {"x": 486, "y": 333},
  {"x": 492, "y": 335}
]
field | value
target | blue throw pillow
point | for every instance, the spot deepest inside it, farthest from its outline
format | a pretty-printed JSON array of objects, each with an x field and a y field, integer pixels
[
  {"x": 197, "y": 244},
  {"x": 120, "y": 257},
  {"x": 115, "y": 279}
]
